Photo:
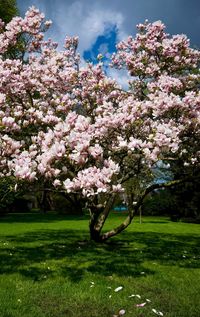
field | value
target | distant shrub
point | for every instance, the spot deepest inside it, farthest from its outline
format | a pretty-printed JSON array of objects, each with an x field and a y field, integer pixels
[
  {"x": 7, "y": 194},
  {"x": 159, "y": 203},
  {"x": 62, "y": 205},
  {"x": 11, "y": 198}
]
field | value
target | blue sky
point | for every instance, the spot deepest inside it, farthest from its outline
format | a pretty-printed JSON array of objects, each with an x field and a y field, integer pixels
[
  {"x": 104, "y": 44},
  {"x": 100, "y": 24}
]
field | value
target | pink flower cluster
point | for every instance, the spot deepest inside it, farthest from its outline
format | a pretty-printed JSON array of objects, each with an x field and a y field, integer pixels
[
  {"x": 31, "y": 25},
  {"x": 153, "y": 52},
  {"x": 93, "y": 179},
  {"x": 76, "y": 127}
]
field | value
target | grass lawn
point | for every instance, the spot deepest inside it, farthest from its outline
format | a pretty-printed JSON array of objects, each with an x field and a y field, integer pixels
[{"x": 47, "y": 270}]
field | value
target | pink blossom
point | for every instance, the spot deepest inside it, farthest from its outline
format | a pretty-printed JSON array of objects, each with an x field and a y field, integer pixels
[{"x": 77, "y": 128}]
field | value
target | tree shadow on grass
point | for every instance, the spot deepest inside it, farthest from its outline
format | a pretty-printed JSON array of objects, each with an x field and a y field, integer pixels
[
  {"x": 27, "y": 254},
  {"x": 154, "y": 221},
  {"x": 39, "y": 217}
]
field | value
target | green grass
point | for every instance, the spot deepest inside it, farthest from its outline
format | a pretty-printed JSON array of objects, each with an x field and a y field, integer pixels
[{"x": 47, "y": 266}]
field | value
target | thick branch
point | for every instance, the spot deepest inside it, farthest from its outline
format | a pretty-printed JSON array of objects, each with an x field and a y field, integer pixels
[
  {"x": 30, "y": 98},
  {"x": 133, "y": 209},
  {"x": 161, "y": 185},
  {"x": 123, "y": 225},
  {"x": 103, "y": 216}
]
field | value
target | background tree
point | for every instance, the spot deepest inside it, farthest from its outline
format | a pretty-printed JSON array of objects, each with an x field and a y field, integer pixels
[
  {"x": 8, "y": 10},
  {"x": 186, "y": 197}
]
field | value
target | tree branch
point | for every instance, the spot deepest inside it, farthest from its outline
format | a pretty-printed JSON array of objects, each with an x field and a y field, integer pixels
[
  {"x": 162, "y": 185},
  {"x": 133, "y": 209}
]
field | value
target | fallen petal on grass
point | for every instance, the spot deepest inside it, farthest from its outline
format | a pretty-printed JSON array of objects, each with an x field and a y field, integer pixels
[
  {"x": 138, "y": 296},
  {"x": 118, "y": 288},
  {"x": 141, "y": 305},
  {"x": 122, "y": 312},
  {"x": 159, "y": 313}
]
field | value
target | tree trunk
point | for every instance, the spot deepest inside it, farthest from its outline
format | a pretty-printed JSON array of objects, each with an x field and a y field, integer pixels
[
  {"x": 140, "y": 213},
  {"x": 78, "y": 205},
  {"x": 95, "y": 235},
  {"x": 95, "y": 230},
  {"x": 125, "y": 223},
  {"x": 44, "y": 201},
  {"x": 99, "y": 217}
]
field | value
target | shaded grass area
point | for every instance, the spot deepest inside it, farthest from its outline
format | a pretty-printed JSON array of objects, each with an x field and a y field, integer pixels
[{"x": 50, "y": 268}]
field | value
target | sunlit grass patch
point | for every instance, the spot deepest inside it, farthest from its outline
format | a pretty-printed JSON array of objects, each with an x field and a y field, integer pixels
[{"x": 50, "y": 268}]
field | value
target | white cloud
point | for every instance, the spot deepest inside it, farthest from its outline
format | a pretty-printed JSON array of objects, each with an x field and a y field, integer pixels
[
  {"x": 121, "y": 76},
  {"x": 88, "y": 24},
  {"x": 78, "y": 18},
  {"x": 103, "y": 48},
  {"x": 86, "y": 18}
]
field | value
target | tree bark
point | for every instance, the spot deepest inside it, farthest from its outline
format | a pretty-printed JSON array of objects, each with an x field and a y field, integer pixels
[
  {"x": 131, "y": 211},
  {"x": 44, "y": 201},
  {"x": 98, "y": 216}
]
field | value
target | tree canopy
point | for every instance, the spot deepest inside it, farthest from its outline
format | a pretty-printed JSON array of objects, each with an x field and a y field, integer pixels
[
  {"x": 75, "y": 130},
  {"x": 8, "y": 9}
]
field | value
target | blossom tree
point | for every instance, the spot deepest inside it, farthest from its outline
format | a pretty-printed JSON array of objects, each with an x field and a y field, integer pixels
[{"x": 72, "y": 128}]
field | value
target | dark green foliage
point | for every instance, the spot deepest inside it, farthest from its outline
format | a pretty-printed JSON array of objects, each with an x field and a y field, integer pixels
[
  {"x": 60, "y": 204},
  {"x": 187, "y": 200},
  {"x": 64, "y": 204},
  {"x": 8, "y": 9},
  {"x": 180, "y": 202},
  {"x": 159, "y": 202},
  {"x": 7, "y": 194},
  {"x": 186, "y": 196},
  {"x": 13, "y": 199}
]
